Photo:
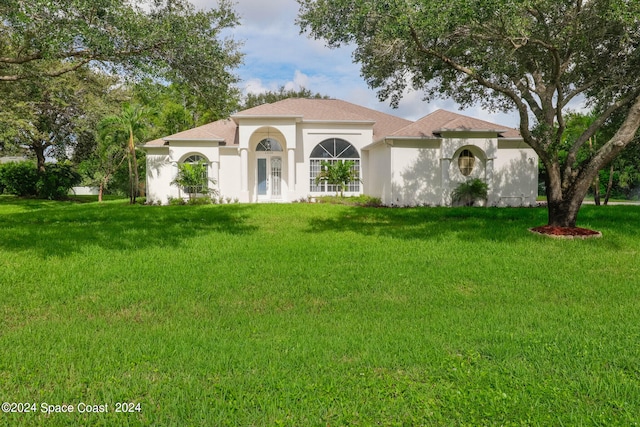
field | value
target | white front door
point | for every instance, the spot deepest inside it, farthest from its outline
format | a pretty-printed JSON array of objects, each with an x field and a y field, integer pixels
[{"x": 269, "y": 177}]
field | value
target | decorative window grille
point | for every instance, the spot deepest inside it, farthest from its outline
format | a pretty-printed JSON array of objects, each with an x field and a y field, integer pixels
[
  {"x": 331, "y": 151},
  {"x": 194, "y": 160},
  {"x": 269, "y": 144},
  {"x": 466, "y": 162}
]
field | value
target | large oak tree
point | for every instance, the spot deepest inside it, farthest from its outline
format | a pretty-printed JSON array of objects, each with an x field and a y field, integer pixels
[
  {"x": 537, "y": 57},
  {"x": 165, "y": 39}
]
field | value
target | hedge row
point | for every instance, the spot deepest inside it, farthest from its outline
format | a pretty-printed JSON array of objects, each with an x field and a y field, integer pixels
[{"x": 23, "y": 179}]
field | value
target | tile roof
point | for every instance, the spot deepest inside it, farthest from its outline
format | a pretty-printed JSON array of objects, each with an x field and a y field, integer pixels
[
  {"x": 431, "y": 125},
  {"x": 328, "y": 110},
  {"x": 222, "y": 130},
  {"x": 335, "y": 110}
]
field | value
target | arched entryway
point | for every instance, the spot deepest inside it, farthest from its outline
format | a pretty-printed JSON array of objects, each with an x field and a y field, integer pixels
[{"x": 269, "y": 170}]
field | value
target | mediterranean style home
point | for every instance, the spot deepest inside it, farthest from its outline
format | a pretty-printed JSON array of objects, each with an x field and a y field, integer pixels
[{"x": 273, "y": 152}]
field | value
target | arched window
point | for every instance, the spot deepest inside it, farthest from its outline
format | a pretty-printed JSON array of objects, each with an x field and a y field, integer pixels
[
  {"x": 466, "y": 161},
  {"x": 196, "y": 159},
  {"x": 269, "y": 144},
  {"x": 332, "y": 150}
]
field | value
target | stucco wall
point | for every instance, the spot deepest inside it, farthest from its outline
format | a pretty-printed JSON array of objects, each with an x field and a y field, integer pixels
[
  {"x": 159, "y": 175},
  {"x": 515, "y": 175},
  {"x": 377, "y": 176},
  {"x": 416, "y": 173},
  {"x": 229, "y": 182},
  {"x": 404, "y": 172}
]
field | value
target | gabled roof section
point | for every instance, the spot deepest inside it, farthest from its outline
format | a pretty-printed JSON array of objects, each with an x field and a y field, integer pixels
[
  {"x": 330, "y": 110},
  {"x": 432, "y": 125},
  {"x": 225, "y": 131}
]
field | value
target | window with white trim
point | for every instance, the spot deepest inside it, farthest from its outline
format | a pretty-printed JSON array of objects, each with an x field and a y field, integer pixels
[
  {"x": 331, "y": 151},
  {"x": 194, "y": 160},
  {"x": 466, "y": 162},
  {"x": 269, "y": 144}
]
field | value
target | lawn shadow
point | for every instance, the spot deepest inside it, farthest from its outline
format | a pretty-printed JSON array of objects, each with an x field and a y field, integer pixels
[
  {"x": 65, "y": 228},
  {"x": 471, "y": 224}
]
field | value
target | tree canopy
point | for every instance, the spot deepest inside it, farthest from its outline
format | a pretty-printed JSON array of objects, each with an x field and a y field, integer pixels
[
  {"x": 164, "y": 39},
  {"x": 253, "y": 100},
  {"x": 537, "y": 57},
  {"x": 55, "y": 117}
]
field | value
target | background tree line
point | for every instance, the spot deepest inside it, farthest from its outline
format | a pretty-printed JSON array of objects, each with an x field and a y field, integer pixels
[{"x": 69, "y": 94}]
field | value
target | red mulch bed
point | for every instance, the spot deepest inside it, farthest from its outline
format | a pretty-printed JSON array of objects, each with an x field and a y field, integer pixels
[{"x": 566, "y": 232}]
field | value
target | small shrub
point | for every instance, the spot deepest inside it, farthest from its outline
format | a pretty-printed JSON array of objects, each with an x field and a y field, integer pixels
[
  {"x": 200, "y": 201},
  {"x": 468, "y": 192},
  {"x": 176, "y": 201},
  {"x": 362, "y": 200}
]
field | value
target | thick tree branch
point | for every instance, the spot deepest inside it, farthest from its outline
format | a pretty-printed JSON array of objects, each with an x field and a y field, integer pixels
[{"x": 591, "y": 130}]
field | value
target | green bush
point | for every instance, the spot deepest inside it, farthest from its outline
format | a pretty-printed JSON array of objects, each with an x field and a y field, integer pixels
[
  {"x": 56, "y": 181},
  {"x": 19, "y": 178},
  {"x": 206, "y": 200},
  {"x": 177, "y": 201},
  {"x": 23, "y": 179},
  {"x": 361, "y": 200},
  {"x": 468, "y": 192}
]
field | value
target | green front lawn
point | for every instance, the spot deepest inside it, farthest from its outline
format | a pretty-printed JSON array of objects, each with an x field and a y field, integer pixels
[{"x": 317, "y": 314}]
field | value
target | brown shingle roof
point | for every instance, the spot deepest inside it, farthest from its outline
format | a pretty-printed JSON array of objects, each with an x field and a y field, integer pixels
[
  {"x": 433, "y": 124},
  {"x": 328, "y": 110},
  {"x": 335, "y": 110},
  {"x": 221, "y": 130}
]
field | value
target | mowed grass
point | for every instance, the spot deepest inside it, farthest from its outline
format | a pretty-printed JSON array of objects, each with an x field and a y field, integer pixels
[{"x": 316, "y": 315}]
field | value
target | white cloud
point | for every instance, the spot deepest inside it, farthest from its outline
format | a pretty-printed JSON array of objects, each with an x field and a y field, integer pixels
[{"x": 277, "y": 55}]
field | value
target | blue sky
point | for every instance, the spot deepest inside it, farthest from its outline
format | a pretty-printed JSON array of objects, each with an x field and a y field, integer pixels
[{"x": 276, "y": 54}]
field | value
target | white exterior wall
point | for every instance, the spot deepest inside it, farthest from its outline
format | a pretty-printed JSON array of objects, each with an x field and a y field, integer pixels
[
  {"x": 416, "y": 173},
  {"x": 404, "y": 172},
  {"x": 162, "y": 167},
  {"x": 426, "y": 171},
  {"x": 515, "y": 174},
  {"x": 159, "y": 175},
  {"x": 229, "y": 180},
  {"x": 377, "y": 176}
]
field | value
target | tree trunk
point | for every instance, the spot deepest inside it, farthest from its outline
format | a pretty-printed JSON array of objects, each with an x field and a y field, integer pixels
[
  {"x": 563, "y": 213},
  {"x": 609, "y": 186},
  {"x": 136, "y": 179},
  {"x": 38, "y": 149},
  {"x": 563, "y": 205},
  {"x": 131, "y": 201},
  {"x": 596, "y": 180},
  {"x": 100, "y": 191}
]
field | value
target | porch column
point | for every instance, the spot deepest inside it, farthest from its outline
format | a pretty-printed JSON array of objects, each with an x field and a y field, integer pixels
[
  {"x": 244, "y": 175},
  {"x": 214, "y": 172},
  {"x": 488, "y": 178},
  {"x": 291, "y": 159},
  {"x": 446, "y": 191}
]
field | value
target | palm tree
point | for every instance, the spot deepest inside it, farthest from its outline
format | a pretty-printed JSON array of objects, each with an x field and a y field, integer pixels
[
  {"x": 128, "y": 127},
  {"x": 468, "y": 192},
  {"x": 339, "y": 173},
  {"x": 193, "y": 178}
]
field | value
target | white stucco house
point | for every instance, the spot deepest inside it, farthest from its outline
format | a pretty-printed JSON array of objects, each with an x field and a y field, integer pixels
[{"x": 272, "y": 153}]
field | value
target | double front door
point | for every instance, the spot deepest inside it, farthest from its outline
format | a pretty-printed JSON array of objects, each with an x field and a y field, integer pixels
[{"x": 269, "y": 175}]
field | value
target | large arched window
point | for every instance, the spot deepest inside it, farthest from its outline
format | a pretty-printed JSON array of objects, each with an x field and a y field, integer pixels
[
  {"x": 196, "y": 159},
  {"x": 332, "y": 150}
]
